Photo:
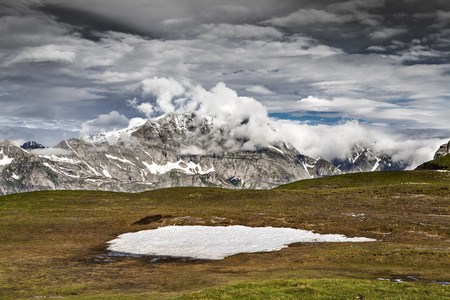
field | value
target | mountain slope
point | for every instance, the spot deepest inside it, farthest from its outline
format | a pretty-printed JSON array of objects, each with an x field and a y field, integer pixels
[
  {"x": 442, "y": 151},
  {"x": 441, "y": 163},
  {"x": 174, "y": 150},
  {"x": 441, "y": 160},
  {"x": 362, "y": 159}
]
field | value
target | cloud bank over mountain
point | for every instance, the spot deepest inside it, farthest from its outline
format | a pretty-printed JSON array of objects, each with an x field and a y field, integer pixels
[
  {"x": 230, "y": 111},
  {"x": 380, "y": 68}
]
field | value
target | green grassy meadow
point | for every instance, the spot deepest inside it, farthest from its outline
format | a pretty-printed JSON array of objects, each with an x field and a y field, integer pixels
[
  {"x": 442, "y": 163},
  {"x": 53, "y": 243}
]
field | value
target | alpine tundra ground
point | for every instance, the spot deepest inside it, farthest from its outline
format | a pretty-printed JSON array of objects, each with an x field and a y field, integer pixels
[{"x": 53, "y": 243}]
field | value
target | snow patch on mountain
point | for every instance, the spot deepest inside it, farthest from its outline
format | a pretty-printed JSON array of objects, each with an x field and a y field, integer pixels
[
  {"x": 276, "y": 149},
  {"x": 59, "y": 171},
  {"x": 124, "y": 160},
  {"x": 5, "y": 160},
  {"x": 60, "y": 159},
  {"x": 106, "y": 173},
  {"x": 188, "y": 168},
  {"x": 112, "y": 137}
]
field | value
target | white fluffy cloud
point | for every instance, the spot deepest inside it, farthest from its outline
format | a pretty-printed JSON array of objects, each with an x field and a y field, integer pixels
[
  {"x": 245, "y": 118},
  {"x": 104, "y": 122},
  {"x": 335, "y": 141},
  {"x": 222, "y": 103},
  {"x": 146, "y": 108},
  {"x": 165, "y": 89}
]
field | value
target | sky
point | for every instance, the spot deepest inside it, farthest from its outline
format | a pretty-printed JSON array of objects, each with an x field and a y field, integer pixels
[{"x": 326, "y": 73}]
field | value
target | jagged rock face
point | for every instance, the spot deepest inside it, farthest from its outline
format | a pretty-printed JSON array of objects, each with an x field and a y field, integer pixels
[
  {"x": 176, "y": 150},
  {"x": 442, "y": 151},
  {"x": 364, "y": 160},
  {"x": 21, "y": 172}
]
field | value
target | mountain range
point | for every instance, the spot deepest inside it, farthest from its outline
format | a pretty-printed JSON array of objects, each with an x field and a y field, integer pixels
[{"x": 169, "y": 151}]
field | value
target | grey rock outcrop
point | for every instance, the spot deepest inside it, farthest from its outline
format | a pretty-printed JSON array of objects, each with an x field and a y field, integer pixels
[{"x": 442, "y": 151}]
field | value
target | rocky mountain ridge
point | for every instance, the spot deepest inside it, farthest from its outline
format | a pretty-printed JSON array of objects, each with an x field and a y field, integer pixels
[
  {"x": 363, "y": 159},
  {"x": 442, "y": 151},
  {"x": 169, "y": 151},
  {"x": 175, "y": 150}
]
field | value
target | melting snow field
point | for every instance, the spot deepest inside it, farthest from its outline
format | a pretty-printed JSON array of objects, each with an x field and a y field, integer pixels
[{"x": 217, "y": 242}]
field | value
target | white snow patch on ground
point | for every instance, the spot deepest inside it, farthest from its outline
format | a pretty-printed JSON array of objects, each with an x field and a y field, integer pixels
[{"x": 217, "y": 242}]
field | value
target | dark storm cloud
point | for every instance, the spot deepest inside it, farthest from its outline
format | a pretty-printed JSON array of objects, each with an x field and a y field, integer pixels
[
  {"x": 161, "y": 18},
  {"x": 90, "y": 21},
  {"x": 356, "y": 25}
]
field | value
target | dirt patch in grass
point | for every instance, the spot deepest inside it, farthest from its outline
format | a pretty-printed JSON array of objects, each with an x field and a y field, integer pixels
[
  {"x": 159, "y": 220},
  {"x": 150, "y": 219}
]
